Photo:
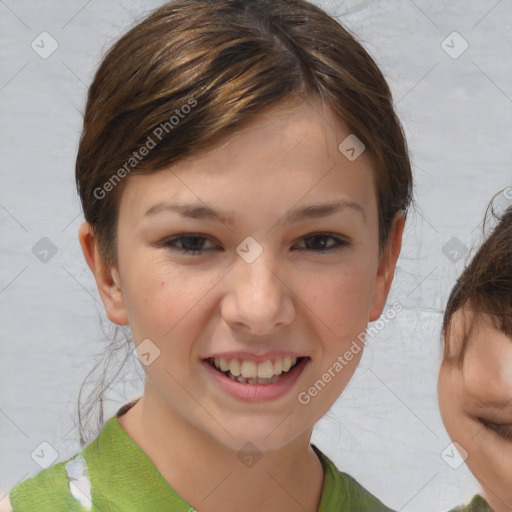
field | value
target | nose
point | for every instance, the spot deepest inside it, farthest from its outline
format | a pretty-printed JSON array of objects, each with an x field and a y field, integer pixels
[{"x": 259, "y": 300}]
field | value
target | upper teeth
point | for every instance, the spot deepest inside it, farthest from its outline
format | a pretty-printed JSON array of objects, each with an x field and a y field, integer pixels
[{"x": 252, "y": 370}]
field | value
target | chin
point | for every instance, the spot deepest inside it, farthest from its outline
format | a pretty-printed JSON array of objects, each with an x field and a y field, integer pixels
[{"x": 264, "y": 435}]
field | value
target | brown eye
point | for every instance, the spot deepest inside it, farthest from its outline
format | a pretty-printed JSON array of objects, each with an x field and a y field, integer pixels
[
  {"x": 504, "y": 430},
  {"x": 319, "y": 242},
  {"x": 190, "y": 243}
]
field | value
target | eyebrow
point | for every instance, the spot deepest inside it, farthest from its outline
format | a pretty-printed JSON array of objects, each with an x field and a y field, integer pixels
[{"x": 199, "y": 211}]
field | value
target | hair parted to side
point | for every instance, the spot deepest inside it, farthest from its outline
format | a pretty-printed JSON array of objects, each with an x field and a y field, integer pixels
[
  {"x": 227, "y": 61},
  {"x": 485, "y": 286}
]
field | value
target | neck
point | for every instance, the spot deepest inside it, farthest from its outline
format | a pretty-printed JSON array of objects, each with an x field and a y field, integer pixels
[{"x": 209, "y": 475}]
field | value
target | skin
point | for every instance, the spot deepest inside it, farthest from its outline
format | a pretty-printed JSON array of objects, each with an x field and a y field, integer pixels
[
  {"x": 478, "y": 392},
  {"x": 291, "y": 299}
]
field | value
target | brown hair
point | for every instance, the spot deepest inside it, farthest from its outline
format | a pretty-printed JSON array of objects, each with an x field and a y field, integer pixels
[
  {"x": 485, "y": 286},
  {"x": 194, "y": 71}
]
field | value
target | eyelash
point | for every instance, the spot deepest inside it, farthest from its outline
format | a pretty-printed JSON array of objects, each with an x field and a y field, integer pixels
[
  {"x": 504, "y": 431},
  {"x": 170, "y": 243}
]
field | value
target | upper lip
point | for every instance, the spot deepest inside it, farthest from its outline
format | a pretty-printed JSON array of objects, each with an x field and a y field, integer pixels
[{"x": 257, "y": 358}]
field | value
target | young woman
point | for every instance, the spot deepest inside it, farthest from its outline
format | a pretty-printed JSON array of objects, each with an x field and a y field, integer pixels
[
  {"x": 475, "y": 380},
  {"x": 244, "y": 181}
]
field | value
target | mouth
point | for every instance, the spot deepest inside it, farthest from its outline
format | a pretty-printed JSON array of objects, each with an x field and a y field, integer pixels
[{"x": 250, "y": 372}]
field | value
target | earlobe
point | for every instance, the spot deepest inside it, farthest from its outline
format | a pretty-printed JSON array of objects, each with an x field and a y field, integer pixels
[
  {"x": 107, "y": 278},
  {"x": 387, "y": 265}
]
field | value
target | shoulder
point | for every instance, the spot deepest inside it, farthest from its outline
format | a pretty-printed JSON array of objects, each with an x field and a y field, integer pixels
[
  {"x": 66, "y": 486},
  {"x": 62, "y": 487},
  {"x": 102, "y": 477},
  {"x": 344, "y": 493},
  {"x": 478, "y": 504}
]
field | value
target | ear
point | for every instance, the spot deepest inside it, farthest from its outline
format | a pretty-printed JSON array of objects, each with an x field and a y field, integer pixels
[
  {"x": 387, "y": 265},
  {"x": 107, "y": 278}
]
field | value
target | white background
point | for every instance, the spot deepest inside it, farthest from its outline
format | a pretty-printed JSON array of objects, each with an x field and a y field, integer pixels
[{"x": 385, "y": 430}]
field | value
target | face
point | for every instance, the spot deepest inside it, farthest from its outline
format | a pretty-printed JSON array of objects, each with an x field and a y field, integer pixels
[
  {"x": 476, "y": 405},
  {"x": 222, "y": 259}
]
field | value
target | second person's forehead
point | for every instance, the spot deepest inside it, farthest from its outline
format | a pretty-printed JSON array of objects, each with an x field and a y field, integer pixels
[{"x": 488, "y": 364}]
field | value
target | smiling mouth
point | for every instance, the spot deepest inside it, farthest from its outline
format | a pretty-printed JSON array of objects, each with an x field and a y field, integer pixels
[{"x": 249, "y": 372}]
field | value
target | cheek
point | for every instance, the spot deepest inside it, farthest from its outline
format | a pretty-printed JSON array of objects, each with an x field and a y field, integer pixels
[
  {"x": 159, "y": 295},
  {"x": 161, "y": 298},
  {"x": 450, "y": 400},
  {"x": 342, "y": 296},
  {"x": 490, "y": 461},
  {"x": 489, "y": 457}
]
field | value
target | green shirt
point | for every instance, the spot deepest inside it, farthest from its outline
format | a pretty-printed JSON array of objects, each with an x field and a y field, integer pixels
[
  {"x": 478, "y": 504},
  {"x": 113, "y": 474}
]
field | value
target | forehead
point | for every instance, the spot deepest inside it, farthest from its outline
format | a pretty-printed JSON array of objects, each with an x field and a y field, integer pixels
[
  {"x": 286, "y": 154},
  {"x": 487, "y": 364},
  {"x": 306, "y": 123}
]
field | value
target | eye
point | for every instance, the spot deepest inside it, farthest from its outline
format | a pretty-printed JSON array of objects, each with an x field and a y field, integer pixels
[
  {"x": 191, "y": 243},
  {"x": 320, "y": 241},
  {"x": 504, "y": 430}
]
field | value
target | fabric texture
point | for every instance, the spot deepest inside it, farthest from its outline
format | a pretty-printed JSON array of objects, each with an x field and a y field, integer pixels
[
  {"x": 113, "y": 474},
  {"x": 478, "y": 504}
]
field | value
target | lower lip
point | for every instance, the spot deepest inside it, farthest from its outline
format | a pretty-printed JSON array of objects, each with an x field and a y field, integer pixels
[{"x": 257, "y": 392}]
